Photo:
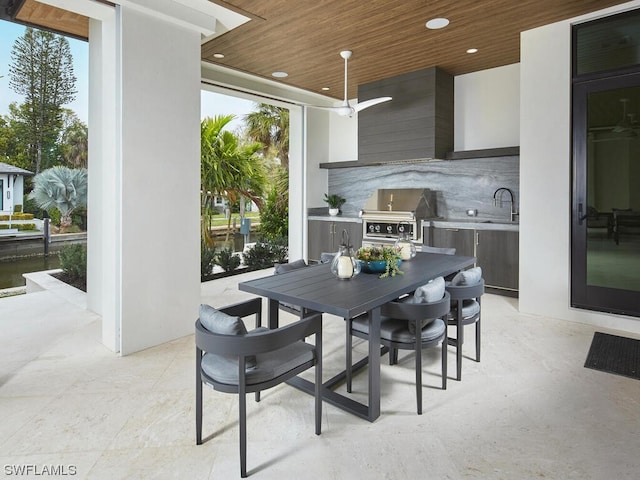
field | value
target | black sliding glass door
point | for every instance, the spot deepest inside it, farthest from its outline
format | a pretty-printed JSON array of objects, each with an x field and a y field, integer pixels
[{"x": 605, "y": 255}]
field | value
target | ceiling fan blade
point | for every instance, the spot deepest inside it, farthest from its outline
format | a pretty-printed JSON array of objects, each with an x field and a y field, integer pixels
[
  {"x": 346, "y": 110},
  {"x": 370, "y": 103},
  {"x": 343, "y": 110}
]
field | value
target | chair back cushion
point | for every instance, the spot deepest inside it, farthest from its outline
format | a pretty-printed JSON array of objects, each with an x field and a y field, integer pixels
[
  {"x": 467, "y": 277},
  {"x": 287, "y": 267},
  {"x": 219, "y": 322},
  {"x": 430, "y": 292}
]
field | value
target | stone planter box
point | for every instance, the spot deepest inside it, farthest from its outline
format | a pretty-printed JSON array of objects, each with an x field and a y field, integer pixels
[{"x": 39, "y": 281}]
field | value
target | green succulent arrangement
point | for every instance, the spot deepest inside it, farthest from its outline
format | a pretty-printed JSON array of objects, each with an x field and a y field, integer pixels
[{"x": 390, "y": 255}]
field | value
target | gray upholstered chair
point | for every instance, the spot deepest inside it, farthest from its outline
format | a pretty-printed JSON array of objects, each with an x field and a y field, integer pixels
[
  {"x": 443, "y": 250},
  {"x": 466, "y": 289},
  {"x": 327, "y": 257},
  {"x": 232, "y": 360},
  {"x": 398, "y": 326},
  {"x": 281, "y": 268}
]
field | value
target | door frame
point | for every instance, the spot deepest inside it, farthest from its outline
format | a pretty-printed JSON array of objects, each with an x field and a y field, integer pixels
[{"x": 591, "y": 297}]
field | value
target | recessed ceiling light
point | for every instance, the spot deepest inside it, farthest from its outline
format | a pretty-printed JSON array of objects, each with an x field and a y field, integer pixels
[
  {"x": 280, "y": 74},
  {"x": 218, "y": 55},
  {"x": 436, "y": 23},
  {"x": 472, "y": 50},
  {"x": 325, "y": 88}
]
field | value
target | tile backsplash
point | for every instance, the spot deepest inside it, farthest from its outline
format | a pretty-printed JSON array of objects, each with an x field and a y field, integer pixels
[{"x": 461, "y": 185}]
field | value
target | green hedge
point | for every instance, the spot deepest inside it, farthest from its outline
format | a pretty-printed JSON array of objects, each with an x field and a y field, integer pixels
[
  {"x": 19, "y": 226},
  {"x": 17, "y": 216}
]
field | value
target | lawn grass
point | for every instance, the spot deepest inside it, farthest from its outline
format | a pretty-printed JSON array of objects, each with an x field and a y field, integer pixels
[{"x": 220, "y": 220}]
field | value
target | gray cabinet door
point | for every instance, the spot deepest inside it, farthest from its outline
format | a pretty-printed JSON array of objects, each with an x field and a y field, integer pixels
[
  {"x": 498, "y": 255},
  {"x": 326, "y": 236},
  {"x": 459, "y": 238},
  {"x": 354, "y": 229},
  {"x": 321, "y": 238}
]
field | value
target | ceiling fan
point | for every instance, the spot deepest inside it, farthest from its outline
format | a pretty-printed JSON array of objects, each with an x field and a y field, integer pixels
[
  {"x": 346, "y": 110},
  {"x": 626, "y": 128},
  {"x": 627, "y": 123}
]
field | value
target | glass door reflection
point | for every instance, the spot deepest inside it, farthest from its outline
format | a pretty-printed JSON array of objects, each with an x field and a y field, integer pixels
[{"x": 613, "y": 189}]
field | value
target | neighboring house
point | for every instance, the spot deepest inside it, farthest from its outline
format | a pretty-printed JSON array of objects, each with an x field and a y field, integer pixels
[
  {"x": 11, "y": 186},
  {"x": 221, "y": 203}
]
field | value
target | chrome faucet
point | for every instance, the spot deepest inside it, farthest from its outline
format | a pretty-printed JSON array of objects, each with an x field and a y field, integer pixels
[{"x": 497, "y": 201}]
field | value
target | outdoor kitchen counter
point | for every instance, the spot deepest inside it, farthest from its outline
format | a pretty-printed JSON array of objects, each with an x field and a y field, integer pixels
[
  {"x": 473, "y": 224},
  {"x": 336, "y": 218}
]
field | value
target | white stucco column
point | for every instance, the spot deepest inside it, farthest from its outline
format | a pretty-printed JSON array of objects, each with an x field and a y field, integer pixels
[
  {"x": 144, "y": 177},
  {"x": 160, "y": 182}
]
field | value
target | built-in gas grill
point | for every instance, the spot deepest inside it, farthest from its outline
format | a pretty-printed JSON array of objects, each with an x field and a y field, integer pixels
[{"x": 389, "y": 212}]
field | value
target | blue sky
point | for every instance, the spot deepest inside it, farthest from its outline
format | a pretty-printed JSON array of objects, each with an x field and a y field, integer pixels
[{"x": 212, "y": 103}]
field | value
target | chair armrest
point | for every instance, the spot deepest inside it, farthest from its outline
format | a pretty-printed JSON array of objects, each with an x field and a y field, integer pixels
[
  {"x": 463, "y": 292},
  {"x": 269, "y": 340},
  {"x": 417, "y": 311},
  {"x": 245, "y": 308}
]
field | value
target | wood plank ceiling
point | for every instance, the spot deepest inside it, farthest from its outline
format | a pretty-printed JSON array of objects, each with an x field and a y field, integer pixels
[{"x": 388, "y": 38}]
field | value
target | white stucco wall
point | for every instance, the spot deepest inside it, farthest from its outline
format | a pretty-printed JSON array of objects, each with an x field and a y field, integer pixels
[
  {"x": 160, "y": 98},
  {"x": 545, "y": 169},
  {"x": 343, "y": 131},
  {"x": 487, "y": 109},
  {"x": 319, "y": 150}
]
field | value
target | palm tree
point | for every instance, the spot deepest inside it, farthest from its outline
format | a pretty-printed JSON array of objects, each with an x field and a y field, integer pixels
[
  {"x": 270, "y": 126},
  {"x": 74, "y": 141},
  {"x": 63, "y": 188},
  {"x": 228, "y": 167}
]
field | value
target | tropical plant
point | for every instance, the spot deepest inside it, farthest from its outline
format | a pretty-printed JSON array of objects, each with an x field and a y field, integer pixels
[
  {"x": 269, "y": 125},
  {"x": 334, "y": 200},
  {"x": 63, "y": 188},
  {"x": 227, "y": 259},
  {"x": 279, "y": 249},
  {"x": 41, "y": 70},
  {"x": 274, "y": 217},
  {"x": 207, "y": 256},
  {"x": 264, "y": 254},
  {"x": 228, "y": 167},
  {"x": 73, "y": 261}
]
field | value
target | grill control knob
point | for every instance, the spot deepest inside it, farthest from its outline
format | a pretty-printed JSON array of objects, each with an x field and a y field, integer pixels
[
  {"x": 371, "y": 228},
  {"x": 389, "y": 229},
  {"x": 377, "y": 228}
]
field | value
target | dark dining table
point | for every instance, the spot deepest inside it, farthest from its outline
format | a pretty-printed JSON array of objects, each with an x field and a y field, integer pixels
[{"x": 316, "y": 288}]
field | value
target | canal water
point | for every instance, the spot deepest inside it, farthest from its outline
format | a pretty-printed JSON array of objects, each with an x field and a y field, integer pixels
[{"x": 11, "y": 270}]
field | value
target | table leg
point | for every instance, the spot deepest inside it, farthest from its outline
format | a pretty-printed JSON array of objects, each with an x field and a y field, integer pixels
[
  {"x": 374, "y": 364},
  {"x": 274, "y": 312}
]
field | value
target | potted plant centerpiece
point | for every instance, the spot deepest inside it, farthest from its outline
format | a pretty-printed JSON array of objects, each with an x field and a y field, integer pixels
[
  {"x": 334, "y": 201},
  {"x": 384, "y": 259}
]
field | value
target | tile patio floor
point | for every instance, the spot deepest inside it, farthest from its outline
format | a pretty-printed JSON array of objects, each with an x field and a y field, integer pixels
[{"x": 529, "y": 410}]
